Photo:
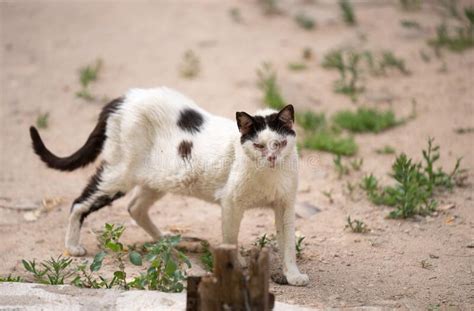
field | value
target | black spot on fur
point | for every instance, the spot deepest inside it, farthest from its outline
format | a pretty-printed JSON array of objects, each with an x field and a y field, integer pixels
[
  {"x": 87, "y": 153},
  {"x": 190, "y": 121},
  {"x": 92, "y": 188},
  {"x": 184, "y": 149},
  {"x": 101, "y": 202}
]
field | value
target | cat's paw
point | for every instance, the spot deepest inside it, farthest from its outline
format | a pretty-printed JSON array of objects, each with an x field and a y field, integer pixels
[
  {"x": 297, "y": 279},
  {"x": 76, "y": 251}
]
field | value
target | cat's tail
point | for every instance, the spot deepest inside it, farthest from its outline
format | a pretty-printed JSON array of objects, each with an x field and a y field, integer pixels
[{"x": 87, "y": 153}]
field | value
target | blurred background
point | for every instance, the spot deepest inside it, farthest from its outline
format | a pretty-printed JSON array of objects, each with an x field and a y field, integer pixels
[{"x": 369, "y": 79}]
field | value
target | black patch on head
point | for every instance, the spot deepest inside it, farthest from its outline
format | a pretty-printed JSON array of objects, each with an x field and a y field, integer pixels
[
  {"x": 275, "y": 124},
  {"x": 184, "y": 149},
  {"x": 258, "y": 124},
  {"x": 190, "y": 121},
  {"x": 280, "y": 122}
]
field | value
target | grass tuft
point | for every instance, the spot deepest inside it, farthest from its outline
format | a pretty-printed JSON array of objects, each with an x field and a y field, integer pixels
[
  {"x": 385, "y": 150},
  {"x": 296, "y": 66},
  {"x": 327, "y": 140},
  {"x": 267, "y": 82},
  {"x": 190, "y": 66},
  {"x": 87, "y": 75},
  {"x": 347, "y": 63},
  {"x": 366, "y": 120},
  {"x": 305, "y": 21},
  {"x": 347, "y": 12},
  {"x": 206, "y": 258},
  {"x": 42, "y": 120},
  {"x": 410, "y": 5},
  {"x": 356, "y": 226}
]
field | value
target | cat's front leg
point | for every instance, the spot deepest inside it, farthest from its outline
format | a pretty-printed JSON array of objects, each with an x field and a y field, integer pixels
[
  {"x": 285, "y": 227},
  {"x": 231, "y": 219}
]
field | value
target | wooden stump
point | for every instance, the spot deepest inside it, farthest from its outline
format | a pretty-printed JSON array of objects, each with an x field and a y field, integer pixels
[{"x": 230, "y": 287}]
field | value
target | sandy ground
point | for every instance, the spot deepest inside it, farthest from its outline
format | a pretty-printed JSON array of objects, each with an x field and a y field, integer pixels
[{"x": 43, "y": 43}]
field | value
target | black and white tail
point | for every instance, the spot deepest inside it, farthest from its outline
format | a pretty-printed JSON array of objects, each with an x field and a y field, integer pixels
[{"x": 87, "y": 153}]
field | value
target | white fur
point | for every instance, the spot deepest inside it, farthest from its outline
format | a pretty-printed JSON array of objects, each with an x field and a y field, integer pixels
[{"x": 141, "y": 152}]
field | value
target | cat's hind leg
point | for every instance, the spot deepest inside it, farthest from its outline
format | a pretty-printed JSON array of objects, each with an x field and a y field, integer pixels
[
  {"x": 99, "y": 192},
  {"x": 143, "y": 198}
]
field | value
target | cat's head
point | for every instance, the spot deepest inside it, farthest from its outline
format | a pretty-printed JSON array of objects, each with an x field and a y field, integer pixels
[{"x": 268, "y": 137}]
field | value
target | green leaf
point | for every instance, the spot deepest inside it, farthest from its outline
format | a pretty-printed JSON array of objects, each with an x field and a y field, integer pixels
[
  {"x": 119, "y": 275},
  {"x": 27, "y": 265},
  {"x": 170, "y": 267},
  {"x": 114, "y": 246},
  {"x": 135, "y": 258},
  {"x": 97, "y": 263}
]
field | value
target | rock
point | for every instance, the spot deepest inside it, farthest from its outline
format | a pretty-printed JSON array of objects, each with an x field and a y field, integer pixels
[
  {"x": 446, "y": 207},
  {"x": 306, "y": 210},
  {"x": 20, "y": 204}
]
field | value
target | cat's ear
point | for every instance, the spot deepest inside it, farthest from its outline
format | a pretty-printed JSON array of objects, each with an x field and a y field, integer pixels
[
  {"x": 244, "y": 122},
  {"x": 287, "y": 116}
]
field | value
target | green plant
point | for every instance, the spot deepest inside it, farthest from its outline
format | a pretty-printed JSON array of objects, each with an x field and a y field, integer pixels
[
  {"x": 87, "y": 75},
  {"x": 347, "y": 64},
  {"x": 329, "y": 141},
  {"x": 389, "y": 60},
  {"x": 455, "y": 38},
  {"x": 111, "y": 245},
  {"x": 347, "y": 12},
  {"x": 305, "y": 21},
  {"x": 311, "y": 121},
  {"x": 415, "y": 184},
  {"x": 206, "y": 258},
  {"x": 297, "y": 66},
  {"x": 366, "y": 120},
  {"x": 385, "y": 150},
  {"x": 411, "y": 24},
  {"x": 307, "y": 53},
  {"x": 356, "y": 164},
  {"x": 356, "y": 226},
  {"x": 267, "y": 82},
  {"x": 235, "y": 15},
  {"x": 165, "y": 272},
  {"x": 262, "y": 241},
  {"x": 42, "y": 120},
  {"x": 464, "y": 130},
  {"x": 269, "y": 7},
  {"x": 10, "y": 278},
  {"x": 190, "y": 66},
  {"x": 341, "y": 169},
  {"x": 299, "y": 245},
  {"x": 53, "y": 271},
  {"x": 328, "y": 194},
  {"x": 450, "y": 7},
  {"x": 350, "y": 187},
  {"x": 410, "y": 5}
]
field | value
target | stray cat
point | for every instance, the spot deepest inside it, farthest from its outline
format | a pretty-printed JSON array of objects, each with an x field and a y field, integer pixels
[{"x": 157, "y": 141}]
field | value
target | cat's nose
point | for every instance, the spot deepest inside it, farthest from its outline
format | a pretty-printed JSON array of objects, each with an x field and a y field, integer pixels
[{"x": 271, "y": 158}]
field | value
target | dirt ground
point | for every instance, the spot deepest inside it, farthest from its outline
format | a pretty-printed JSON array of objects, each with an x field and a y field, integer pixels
[{"x": 43, "y": 43}]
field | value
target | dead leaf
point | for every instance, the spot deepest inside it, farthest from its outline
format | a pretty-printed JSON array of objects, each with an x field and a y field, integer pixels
[
  {"x": 49, "y": 204},
  {"x": 446, "y": 207}
]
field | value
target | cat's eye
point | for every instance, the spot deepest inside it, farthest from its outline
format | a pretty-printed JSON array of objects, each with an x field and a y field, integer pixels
[
  {"x": 283, "y": 143},
  {"x": 258, "y": 146}
]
